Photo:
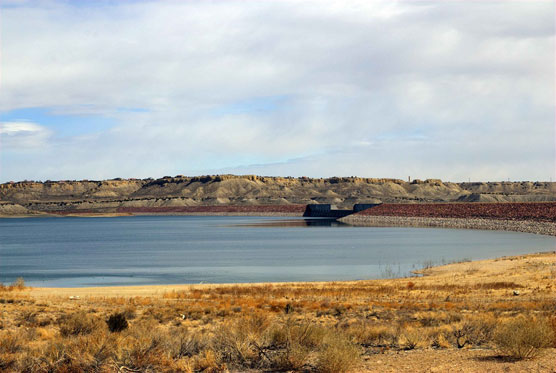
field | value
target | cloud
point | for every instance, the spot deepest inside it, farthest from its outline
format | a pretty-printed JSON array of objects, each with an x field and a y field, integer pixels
[
  {"x": 374, "y": 88},
  {"x": 15, "y": 128},
  {"x": 20, "y": 136}
]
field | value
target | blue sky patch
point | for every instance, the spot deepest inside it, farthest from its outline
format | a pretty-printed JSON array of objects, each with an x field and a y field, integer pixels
[{"x": 62, "y": 125}]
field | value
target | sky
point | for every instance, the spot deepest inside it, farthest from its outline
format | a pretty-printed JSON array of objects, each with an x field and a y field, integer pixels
[{"x": 456, "y": 90}]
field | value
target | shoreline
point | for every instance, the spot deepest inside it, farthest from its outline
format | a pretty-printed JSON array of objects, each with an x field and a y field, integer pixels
[
  {"x": 358, "y": 220},
  {"x": 118, "y": 214},
  {"x": 159, "y": 290}
]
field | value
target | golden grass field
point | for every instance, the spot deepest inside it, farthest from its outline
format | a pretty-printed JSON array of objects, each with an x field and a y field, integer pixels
[{"x": 485, "y": 316}]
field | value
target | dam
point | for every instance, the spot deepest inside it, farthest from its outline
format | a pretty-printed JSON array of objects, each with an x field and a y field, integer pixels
[{"x": 327, "y": 210}]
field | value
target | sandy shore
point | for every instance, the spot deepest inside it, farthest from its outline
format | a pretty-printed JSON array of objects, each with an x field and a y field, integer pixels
[{"x": 154, "y": 290}]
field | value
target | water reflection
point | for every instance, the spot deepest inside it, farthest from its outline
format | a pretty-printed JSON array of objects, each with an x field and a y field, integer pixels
[
  {"x": 141, "y": 250},
  {"x": 309, "y": 222}
]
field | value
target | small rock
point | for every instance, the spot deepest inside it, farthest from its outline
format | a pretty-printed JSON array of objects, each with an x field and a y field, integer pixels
[{"x": 516, "y": 292}]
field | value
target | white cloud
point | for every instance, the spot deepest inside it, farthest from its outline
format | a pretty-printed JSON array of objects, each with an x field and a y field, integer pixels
[
  {"x": 18, "y": 136},
  {"x": 470, "y": 85},
  {"x": 15, "y": 128}
]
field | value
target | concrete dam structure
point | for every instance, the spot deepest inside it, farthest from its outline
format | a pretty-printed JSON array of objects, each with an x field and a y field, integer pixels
[{"x": 326, "y": 210}]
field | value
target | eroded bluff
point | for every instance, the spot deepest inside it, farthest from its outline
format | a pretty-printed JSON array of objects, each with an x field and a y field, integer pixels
[{"x": 29, "y": 197}]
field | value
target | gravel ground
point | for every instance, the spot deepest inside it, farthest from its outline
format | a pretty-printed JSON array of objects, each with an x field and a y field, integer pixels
[{"x": 465, "y": 361}]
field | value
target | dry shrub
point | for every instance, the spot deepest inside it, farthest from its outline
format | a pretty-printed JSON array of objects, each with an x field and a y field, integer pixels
[
  {"x": 240, "y": 342},
  {"x": 10, "y": 343},
  {"x": 372, "y": 335},
  {"x": 524, "y": 337},
  {"x": 185, "y": 365},
  {"x": 142, "y": 348},
  {"x": 209, "y": 362},
  {"x": 439, "y": 337},
  {"x": 296, "y": 342},
  {"x": 288, "y": 308},
  {"x": 79, "y": 323},
  {"x": 302, "y": 333},
  {"x": 476, "y": 331},
  {"x": 82, "y": 353},
  {"x": 498, "y": 285},
  {"x": 29, "y": 334},
  {"x": 337, "y": 355},
  {"x": 117, "y": 322},
  {"x": 482, "y": 330},
  {"x": 434, "y": 318},
  {"x": 54, "y": 357},
  {"x": 553, "y": 324},
  {"x": 162, "y": 314},
  {"x": 101, "y": 348},
  {"x": 460, "y": 335},
  {"x": 257, "y": 342},
  {"x": 182, "y": 343},
  {"x": 293, "y": 357},
  {"x": 27, "y": 317},
  {"x": 42, "y": 319},
  {"x": 91, "y": 352},
  {"x": 18, "y": 284},
  {"x": 45, "y": 334},
  {"x": 410, "y": 338},
  {"x": 7, "y": 362},
  {"x": 130, "y": 312}
]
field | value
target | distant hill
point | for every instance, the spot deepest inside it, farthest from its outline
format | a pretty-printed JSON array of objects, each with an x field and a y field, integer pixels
[{"x": 108, "y": 195}]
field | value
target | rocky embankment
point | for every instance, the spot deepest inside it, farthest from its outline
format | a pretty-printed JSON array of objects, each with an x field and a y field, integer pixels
[
  {"x": 169, "y": 194},
  {"x": 526, "y": 226},
  {"x": 532, "y": 217}
]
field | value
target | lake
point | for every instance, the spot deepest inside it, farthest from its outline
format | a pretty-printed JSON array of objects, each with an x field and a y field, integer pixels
[{"x": 139, "y": 250}]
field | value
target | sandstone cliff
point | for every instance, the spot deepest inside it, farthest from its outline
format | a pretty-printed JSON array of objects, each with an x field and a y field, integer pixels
[{"x": 23, "y": 198}]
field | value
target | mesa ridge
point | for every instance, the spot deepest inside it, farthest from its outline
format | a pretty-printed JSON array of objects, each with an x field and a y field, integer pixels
[{"x": 117, "y": 195}]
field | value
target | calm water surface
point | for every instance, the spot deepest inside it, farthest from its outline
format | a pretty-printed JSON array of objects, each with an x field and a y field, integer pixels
[{"x": 70, "y": 252}]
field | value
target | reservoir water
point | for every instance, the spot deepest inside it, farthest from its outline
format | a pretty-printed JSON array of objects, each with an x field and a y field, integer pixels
[{"x": 72, "y": 252}]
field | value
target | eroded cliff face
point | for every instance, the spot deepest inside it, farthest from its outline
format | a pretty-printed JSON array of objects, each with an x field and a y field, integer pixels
[{"x": 108, "y": 195}]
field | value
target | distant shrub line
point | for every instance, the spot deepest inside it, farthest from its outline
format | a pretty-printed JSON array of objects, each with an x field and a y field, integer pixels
[{"x": 18, "y": 284}]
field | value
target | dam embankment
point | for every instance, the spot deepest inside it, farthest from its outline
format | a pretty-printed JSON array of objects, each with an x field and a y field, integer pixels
[
  {"x": 528, "y": 217},
  {"x": 525, "y": 226}
]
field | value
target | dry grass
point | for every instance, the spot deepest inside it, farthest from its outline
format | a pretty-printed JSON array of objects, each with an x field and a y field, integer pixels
[
  {"x": 524, "y": 337},
  {"x": 327, "y": 327},
  {"x": 79, "y": 323},
  {"x": 337, "y": 355}
]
